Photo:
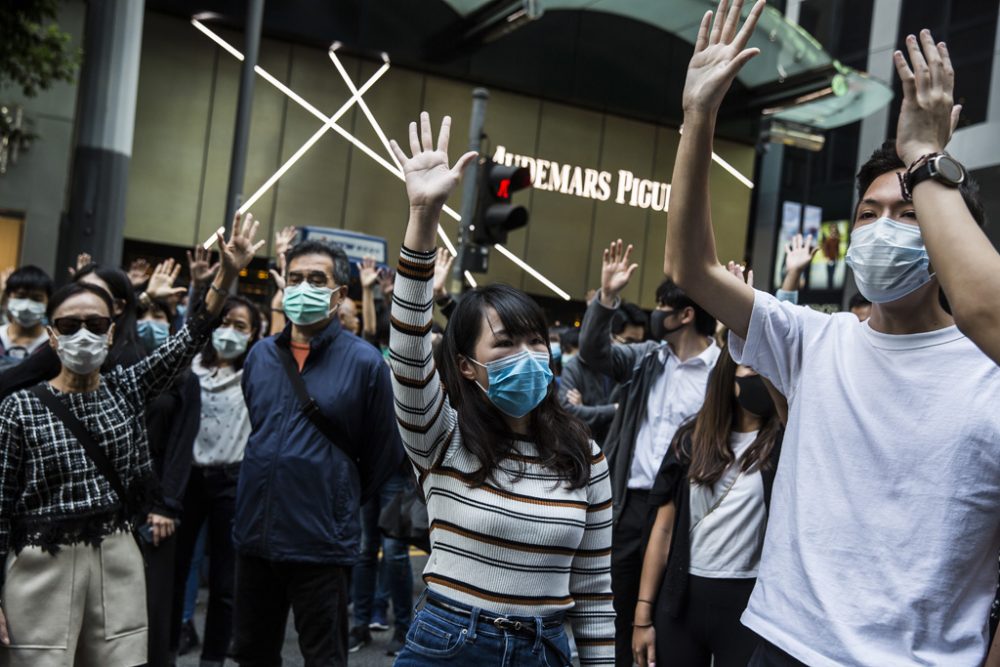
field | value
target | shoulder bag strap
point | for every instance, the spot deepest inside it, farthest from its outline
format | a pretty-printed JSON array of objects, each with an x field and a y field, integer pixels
[
  {"x": 719, "y": 500},
  {"x": 310, "y": 408},
  {"x": 83, "y": 436}
]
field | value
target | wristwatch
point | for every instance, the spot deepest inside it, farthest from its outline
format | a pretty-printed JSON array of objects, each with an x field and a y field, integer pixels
[{"x": 942, "y": 167}]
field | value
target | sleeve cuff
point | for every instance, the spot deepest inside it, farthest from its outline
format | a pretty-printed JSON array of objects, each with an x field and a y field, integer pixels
[{"x": 615, "y": 306}]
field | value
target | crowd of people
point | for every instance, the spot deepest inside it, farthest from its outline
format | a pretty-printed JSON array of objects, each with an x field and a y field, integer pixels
[{"x": 731, "y": 479}]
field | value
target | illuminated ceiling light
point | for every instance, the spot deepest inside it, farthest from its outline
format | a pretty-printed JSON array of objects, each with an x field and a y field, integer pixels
[
  {"x": 330, "y": 123},
  {"x": 364, "y": 106},
  {"x": 725, "y": 165},
  {"x": 524, "y": 265}
]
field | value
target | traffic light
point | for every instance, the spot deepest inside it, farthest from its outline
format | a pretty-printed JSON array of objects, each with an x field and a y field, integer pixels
[{"x": 495, "y": 214}]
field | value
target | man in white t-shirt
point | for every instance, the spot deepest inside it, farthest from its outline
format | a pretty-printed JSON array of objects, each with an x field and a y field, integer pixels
[{"x": 884, "y": 529}]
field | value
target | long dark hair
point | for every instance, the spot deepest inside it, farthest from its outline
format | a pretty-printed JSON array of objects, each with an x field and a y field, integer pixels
[
  {"x": 704, "y": 439},
  {"x": 209, "y": 357},
  {"x": 562, "y": 440},
  {"x": 125, "y": 348}
]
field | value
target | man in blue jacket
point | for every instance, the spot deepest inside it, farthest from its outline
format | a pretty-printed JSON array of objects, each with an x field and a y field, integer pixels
[{"x": 304, "y": 478}]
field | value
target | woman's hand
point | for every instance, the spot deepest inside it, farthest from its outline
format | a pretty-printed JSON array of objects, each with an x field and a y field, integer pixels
[
  {"x": 644, "y": 646},
  {"x": 200, "y": 266},
  {"x": 162, "y": 527},
  {"x": 239, "y": 250},
  {"x": 368, "y": 273},
  {"x": 616, "y": 271},
  {"x": 442, "y": 271},
  {"x": 719, "y": 54},
  {"x": 161, "y": 281}
]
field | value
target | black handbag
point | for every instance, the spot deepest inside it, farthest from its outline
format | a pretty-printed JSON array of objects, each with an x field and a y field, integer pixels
[{"x": 404, "y": 517}]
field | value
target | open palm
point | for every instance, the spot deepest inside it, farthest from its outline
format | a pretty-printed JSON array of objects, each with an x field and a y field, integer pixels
[
  {"x": 429, "y": 179},
  {"x": 616, "y": 270},
  {"x": 799, "y": 252},
  {"x": 238, "y": 252},
  {"x": 719, "y": 54}
]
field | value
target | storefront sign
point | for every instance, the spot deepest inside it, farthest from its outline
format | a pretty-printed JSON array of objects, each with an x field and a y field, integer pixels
[{"x": 588, "y": 183}]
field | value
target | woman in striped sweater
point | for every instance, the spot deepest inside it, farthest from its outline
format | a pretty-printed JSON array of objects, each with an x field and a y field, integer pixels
[{"x": 517, "y": 494}]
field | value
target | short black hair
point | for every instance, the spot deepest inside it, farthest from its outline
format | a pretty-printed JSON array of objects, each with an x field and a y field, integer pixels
[
  {"x": 569, "y": 338},
  {"x": 31, "y": 279},
  {"x": 63, "y": 294},
  {"x": 885, "y": 160},
  {"x": 628, "y": 314},
  {"x": 669, "y": 294},
  {"x": 341, "y": 265},
  {"x": 858, "y": 301}
]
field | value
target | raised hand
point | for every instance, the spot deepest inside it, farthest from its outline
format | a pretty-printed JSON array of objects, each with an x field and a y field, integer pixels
[
  {"x": 239, "y": 250},
  {"x": 4, "y": 276},
  {"x": 740, "y": 271},
  {"x": 200, "y": 265},
  {"x": 799, "y": 253},
  {"x": 928, "y": 115},
  {"x": 368, "y": 272},
  {"x": 442, "y": 271},
  {"x": 83, "y": 260},
  {"x": 616, "y": 271},
  {"x": 138, "y": 271},
  {"x": 283, "y": 240},
  {"x": 429, "y": 179},
  {"x": 719, "y": 54},
  {"x": 161, "y": 281},
  {"x": 387, "y": 281}
]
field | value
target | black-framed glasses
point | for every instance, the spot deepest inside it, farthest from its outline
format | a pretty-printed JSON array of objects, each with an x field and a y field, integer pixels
[{"x": 67, "y": 326}]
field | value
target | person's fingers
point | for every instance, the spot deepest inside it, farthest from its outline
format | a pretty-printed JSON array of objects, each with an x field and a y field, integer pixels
[
  {"x": 702, "y": 40},
  {"x": 750, "y": 277},
  {"x": 743, "y": 37},
  {"x": 628, "y": 254},
  {"x": 414, "y": 140},
  {"x": 397, "y": 151},
  {"x": 742, "y": 58},
  {"x": 651, "y": 654},
  {"x": 921, "y": 72},
  {"x": 932, "y": 57},
  {"x": 720, "y": 20},
  {"x": 463, "y": 162},
  {"x": 946, "y": 68},
  {"x": 956, "y": 114},
  {"x": 444, "y": 134},
  {"x": 732, "y": 20},
  {"x": 905, "y": 74},
  {"x": 257, "y": 246},
  {"x": 426, "y": 133},
  {"x": 4, "y": 636},
  {"x": 278, "y": 280},
  {"x": 631, "y": 270},
  {"x": 220, "y": 239}
]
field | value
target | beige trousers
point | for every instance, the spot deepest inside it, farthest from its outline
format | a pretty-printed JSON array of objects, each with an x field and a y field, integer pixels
[{"x": 83, "y": 607}]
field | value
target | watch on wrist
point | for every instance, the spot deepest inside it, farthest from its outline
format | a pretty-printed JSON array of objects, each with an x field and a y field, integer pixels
[{"x": 941, "y": 167}]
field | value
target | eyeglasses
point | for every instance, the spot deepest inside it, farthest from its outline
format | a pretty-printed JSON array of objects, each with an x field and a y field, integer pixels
[{"x": 67, "y": 326}]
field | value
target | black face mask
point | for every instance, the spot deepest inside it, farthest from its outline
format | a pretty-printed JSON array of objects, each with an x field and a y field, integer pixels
[
  {"x": 656, "y": 328},
  {"x": 754, "y": 397}
]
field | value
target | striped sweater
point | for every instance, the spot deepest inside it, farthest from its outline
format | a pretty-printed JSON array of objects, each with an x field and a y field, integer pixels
[{"x": 527, "y": 546}]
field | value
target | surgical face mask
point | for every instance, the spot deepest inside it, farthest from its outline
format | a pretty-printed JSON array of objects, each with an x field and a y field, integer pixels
[
  {"x": 656, "y": 324},
  {"x": 556, "y": 350},
  {"x": 889, "y": 260},
  {"x": 181, "y": 310},
  {"x": 152, "y": 333},
  {"x": 26, "y": 312},
  {"x": 229, "y": 343},
  {"x": 754, "y": 397},
  {"x": 307, "y": 304},
  {"x": 518, "y": 382},
  {"x": 82, "y": 352}
]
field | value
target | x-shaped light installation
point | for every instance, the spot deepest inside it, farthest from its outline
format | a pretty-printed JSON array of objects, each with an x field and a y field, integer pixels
[{"x": 330, "y": 123}]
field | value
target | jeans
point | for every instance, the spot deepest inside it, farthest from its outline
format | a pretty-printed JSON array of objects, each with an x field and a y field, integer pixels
[
  {"x": 317, "y": 596},
  {"x": 210, "y": 499},
  {"x": 443, "y": 637},
  {"x": 395, "y": 574}
]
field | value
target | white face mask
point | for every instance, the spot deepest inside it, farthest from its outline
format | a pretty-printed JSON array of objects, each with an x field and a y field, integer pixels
[
  {"x": 229, "y": 343},
  {"x": 889, "y": 260},
  {"x": 26, "y": 312},
  {"x": 83, "y": 352}
]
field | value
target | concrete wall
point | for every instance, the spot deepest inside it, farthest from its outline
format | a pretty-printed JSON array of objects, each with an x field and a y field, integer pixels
[
  {"x": 184, "y": 129},
  {"x": 36, "y": 187}
]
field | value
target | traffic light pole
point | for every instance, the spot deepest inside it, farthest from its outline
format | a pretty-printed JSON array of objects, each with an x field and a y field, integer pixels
[{"x": 470, "y": 189}]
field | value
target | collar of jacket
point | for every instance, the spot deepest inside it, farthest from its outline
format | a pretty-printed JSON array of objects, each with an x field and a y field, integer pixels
[{"x": 317, "y": 342}]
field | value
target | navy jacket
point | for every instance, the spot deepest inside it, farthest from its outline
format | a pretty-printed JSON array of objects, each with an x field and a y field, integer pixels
[{"x": 299, "y": 495}]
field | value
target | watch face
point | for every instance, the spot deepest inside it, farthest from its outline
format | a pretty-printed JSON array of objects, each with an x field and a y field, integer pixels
[{"x": 949, "y": 169}]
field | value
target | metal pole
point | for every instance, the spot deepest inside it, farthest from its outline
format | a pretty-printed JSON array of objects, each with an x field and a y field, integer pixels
[
  {"x": 241, "y": 133},
  {"x": 470, "y": 187}
]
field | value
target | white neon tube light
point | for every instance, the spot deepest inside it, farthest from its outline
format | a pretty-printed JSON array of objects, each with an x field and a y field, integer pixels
[
  {"x": 330, "y": 123},
  {"x": 364, "y": 105},
  {"x": 732, "y": 170}
]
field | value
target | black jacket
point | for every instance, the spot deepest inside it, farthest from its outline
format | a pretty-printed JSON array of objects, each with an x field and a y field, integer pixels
[
  {"x": 172, "y": 423},
  {"x": 598, "y": 409},
  {"x": 635, "y": 367}
]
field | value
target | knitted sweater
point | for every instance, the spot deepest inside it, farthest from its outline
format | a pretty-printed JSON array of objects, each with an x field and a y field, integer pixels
[{"x": 524, "y": 544}]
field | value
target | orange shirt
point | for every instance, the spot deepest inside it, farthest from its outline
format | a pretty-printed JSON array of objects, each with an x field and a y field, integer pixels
[{"x": 300, "y": 351}]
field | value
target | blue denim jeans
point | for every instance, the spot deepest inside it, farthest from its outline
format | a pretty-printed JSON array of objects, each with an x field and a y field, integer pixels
[
  {"x": 395, "y": 568},
  {"x": 442, "y": 637}
]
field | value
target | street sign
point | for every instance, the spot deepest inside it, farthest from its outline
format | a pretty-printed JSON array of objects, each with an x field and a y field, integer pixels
[{"x": 356, "y": 245}]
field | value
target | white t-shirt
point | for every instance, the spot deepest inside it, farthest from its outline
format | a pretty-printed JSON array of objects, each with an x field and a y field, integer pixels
[
  {"x": 884, "y": 527},
  {"x": 225, "y": 422},
  {"x": 726, "y": 542}
]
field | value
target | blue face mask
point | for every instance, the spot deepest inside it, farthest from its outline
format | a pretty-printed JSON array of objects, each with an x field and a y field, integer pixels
[
  {"x": 889, "y": 260},
  {"x": 152, "y": 334},
  {"x": 556, "y": 350},
  {"x": 519, "y": 382}
]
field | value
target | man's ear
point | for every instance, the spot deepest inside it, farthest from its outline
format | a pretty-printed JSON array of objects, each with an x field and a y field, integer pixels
[
  {"x": 337, "y": 296},
  {"x": 688, "y": 315}
]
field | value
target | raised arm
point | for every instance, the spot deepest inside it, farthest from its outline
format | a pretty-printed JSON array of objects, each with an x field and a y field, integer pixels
[
  {"x": 368, "y": 273},
  {"x": 425, "y": 416},
  {"x": 154, "y": 373},
  {"x": 690, "y": 254},
  {"x": 799, "y": 253},
  {"x": 961, "y": 255}
]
